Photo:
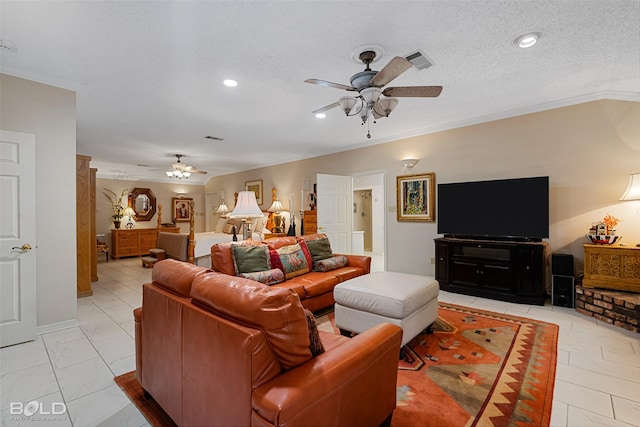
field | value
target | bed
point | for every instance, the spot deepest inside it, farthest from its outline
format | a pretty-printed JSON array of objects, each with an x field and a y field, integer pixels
[{"x": 200, "y": 243}]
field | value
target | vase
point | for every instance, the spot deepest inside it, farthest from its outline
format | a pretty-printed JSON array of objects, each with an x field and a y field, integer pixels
[{"x": 116, "y": 224}]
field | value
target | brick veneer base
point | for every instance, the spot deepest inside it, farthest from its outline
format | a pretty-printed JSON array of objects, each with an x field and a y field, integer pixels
[{"x": 617, "y": 308}]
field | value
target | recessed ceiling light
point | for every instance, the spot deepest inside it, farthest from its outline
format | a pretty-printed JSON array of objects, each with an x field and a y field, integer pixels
[
  {"x": 527, "y": 40},
  {"x": 230, "y": 83},
  {"x": 321, "y": 115}
]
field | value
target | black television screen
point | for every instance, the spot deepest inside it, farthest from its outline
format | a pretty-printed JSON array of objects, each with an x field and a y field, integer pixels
[{"x": 507, "y": 208}]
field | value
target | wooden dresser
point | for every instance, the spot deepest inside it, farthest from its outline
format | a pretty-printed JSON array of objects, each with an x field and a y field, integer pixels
[
  {"x": 133, "y": 242},
  {"x": 612, "y": 267},
  {"x": 310, "y": 222}
]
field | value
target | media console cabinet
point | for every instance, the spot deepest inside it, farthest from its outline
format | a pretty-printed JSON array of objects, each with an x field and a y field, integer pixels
[{"x": 503, "y": 270}]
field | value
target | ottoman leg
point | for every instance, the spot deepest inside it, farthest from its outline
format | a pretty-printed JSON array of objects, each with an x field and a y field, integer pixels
[{"x": 345, "y": 333}]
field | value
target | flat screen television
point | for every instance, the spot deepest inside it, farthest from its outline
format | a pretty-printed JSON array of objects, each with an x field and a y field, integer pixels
[{"x": 514, "y": 209}]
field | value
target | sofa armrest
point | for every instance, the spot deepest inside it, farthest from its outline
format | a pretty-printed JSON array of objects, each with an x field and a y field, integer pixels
[
  {"x": 137, "y": 319},
  {"x": 351, "y": 384},
  {"x": 361, "y": 261}
]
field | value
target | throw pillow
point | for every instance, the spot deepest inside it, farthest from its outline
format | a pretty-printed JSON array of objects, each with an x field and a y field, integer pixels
[
  {"x": 249, "y": 258},
  {"x": 315, "y": 345},
  {"x": 293, "y": 261},
  {"x": 268, "y": 277},
  {"x": 274, "y": 257},
  {"x": 320, "y": 249},
  {"x": 305, "y": 251},
  {"x": 332, "y": 263}
]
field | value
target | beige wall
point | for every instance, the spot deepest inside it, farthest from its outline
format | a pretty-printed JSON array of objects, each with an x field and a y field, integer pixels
[
  {"x": 164, "y": 192},
  {"x": 50, "y": 114},
  {"x": 587, "y": 150}
]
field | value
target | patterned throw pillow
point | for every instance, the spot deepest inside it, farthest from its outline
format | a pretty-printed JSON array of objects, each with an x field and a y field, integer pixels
[
  {"x": 332, "y": 263},
  {"x": 305, "y": 251},
  {"x": 320, "y": 249},
  {"x": 294, "y": 263},
  {"x": 316, "y": 345},
  {"x": 250, "y": 258},
  {"x": 269, "y": 277}
]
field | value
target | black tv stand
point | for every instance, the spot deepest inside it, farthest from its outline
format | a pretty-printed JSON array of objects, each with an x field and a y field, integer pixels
[
  {"x": 506, "y": 270},
  {"x": 493, "y": 238}
]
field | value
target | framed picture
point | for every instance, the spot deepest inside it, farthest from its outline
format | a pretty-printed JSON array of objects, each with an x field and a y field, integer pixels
[
  {"x": 416, "y": 197},
  {"x": 256, "y": 187},
  {"x": 181, "y": 211}
]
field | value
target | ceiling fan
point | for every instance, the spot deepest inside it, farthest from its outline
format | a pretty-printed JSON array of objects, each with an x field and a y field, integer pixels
[
  {"x": 182, "y": 170},
  {"x": 371, "y": 99}
]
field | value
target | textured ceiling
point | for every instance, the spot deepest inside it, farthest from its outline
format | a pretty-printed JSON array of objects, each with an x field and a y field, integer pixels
[{"x": 148, "y": 75}]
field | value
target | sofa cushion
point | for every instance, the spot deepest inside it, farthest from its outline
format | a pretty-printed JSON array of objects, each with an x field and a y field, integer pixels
[
  {"x": 268, "y": 277},
  {"x": 276, "y": 311},
  {"x": 222, "y": 257},
  {"x": 320, "y": 249},
  {"x": 294, "y": 262},
  {"x": 176, "y": 276},
  {"x": 249, "y": 259},
  {"x": 329, "y": 264},
  {"x": 316, "y": 284}
]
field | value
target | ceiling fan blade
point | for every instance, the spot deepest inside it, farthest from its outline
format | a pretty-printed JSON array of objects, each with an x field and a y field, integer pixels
[
  {"x": 413, "y": 91},
  {"x": 393, "y": 69},
  {"x": 193, "y": 169},
  {"x": 325, "y": 108},
  {"x": 330, "y": 84}
]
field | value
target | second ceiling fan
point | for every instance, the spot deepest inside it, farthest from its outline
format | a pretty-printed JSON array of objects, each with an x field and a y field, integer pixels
[{"x": 371, "y": 98}]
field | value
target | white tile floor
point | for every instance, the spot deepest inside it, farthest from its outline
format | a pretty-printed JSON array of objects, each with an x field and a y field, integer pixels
[{"x": 597, "y": 378}]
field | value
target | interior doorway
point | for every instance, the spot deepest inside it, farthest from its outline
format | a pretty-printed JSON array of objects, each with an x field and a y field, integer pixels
[{"x": 369, "y": 215}]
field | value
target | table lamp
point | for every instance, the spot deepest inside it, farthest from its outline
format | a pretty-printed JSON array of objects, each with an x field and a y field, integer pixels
[
  {"x": 130, "y": 212},
  {"x": 276, "y": 207},
  {"x": 246, "y": 207},
  {"x": 223, "y": 210}
]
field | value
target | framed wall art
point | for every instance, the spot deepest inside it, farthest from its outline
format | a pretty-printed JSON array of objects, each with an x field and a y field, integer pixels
[
  {"x": 256, "y": 187},
  {"x": 180, "y": 209},
  {"x": 416, "y": 197}
]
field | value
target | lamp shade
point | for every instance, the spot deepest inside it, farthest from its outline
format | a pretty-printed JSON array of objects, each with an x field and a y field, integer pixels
[
  {"x": 129, "y": 211},
  {"x": 633, "y": 189},
  {"x": 223, "y": 209},
  {"x": 247, "y": 206},
  {"x": 276, "y": 206}
]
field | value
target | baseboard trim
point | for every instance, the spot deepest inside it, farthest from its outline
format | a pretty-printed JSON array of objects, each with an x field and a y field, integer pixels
[{"x": 58, "y": 326}]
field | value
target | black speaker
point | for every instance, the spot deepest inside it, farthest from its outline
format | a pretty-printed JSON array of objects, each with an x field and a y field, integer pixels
[
  {"x": 562, "y": 264},
  {"x": 562, "y": 291}
]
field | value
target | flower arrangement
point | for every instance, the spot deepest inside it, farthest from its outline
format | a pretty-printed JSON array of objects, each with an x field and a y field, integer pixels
[
  {"x": 116, "y": 203},
  {"x": 611, "y": 221}
]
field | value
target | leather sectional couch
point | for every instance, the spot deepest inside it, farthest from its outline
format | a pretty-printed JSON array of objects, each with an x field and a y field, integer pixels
[
  {"x": 314, "y": 288},
  {"x": 218, "y": 350}
]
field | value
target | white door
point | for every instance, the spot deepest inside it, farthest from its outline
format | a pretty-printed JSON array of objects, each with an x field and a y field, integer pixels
[
  {"x": 211, "y": 201},
  {"x": 17, "y": 238},
  {"x": 334, "y": 210}
]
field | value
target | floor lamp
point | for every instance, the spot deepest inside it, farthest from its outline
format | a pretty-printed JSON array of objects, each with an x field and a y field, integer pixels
[{"x": 246, "y": 207}]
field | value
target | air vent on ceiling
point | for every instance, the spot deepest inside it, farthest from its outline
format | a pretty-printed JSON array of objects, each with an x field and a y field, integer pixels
[
  {"x": 419, "y": 60},
  {"x": 214, "y": 138}
]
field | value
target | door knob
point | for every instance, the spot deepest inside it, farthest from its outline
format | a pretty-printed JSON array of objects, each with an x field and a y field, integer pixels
[
  {"x": 24, "y": 248},
  {"x": 321, "y": 228}
]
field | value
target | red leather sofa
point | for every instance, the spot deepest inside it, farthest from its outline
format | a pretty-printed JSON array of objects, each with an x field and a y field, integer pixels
[
  {"x": 219, "y": 350},
  {"x": 315, "y": 289}
]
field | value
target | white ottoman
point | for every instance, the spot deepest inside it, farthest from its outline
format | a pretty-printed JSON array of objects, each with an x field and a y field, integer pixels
[{"x": 406, "y": 300}]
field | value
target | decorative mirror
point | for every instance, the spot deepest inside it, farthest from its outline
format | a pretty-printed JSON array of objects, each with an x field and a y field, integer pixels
[{"x": 143, "y": 202}]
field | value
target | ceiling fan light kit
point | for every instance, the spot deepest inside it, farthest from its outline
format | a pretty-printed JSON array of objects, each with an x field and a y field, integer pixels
[
  {"x": 372, "y": 99},
  {"x": 181, "y": 170}
]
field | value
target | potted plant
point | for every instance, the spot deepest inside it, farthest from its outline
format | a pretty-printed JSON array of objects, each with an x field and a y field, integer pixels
[{"x": 116, "y": 205}]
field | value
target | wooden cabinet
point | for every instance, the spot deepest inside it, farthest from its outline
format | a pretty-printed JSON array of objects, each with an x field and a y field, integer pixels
[
  {"x": 85, "y": 226},
  {"x": 133, "y": 242},
  {"x": 310, "y": 222},
  {"x": 612, "y": 267},
  {"x": 507, "y": 271}
]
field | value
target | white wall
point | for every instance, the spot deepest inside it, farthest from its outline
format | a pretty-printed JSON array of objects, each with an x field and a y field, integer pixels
[
  {"x": 50, "y": 114},
  {"x": 587, "y": 150}
]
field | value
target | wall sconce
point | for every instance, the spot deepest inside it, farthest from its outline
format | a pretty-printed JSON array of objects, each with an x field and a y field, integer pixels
[
  {"x": 633, "y": 189},
  {"x": 409, "y": 163}
]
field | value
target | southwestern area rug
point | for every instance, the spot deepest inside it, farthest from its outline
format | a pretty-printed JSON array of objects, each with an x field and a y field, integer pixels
[{"x": 478, "y": 368}]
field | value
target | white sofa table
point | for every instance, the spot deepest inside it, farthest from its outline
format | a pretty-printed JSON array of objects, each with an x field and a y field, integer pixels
[{"x": 406, "y": 300}]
